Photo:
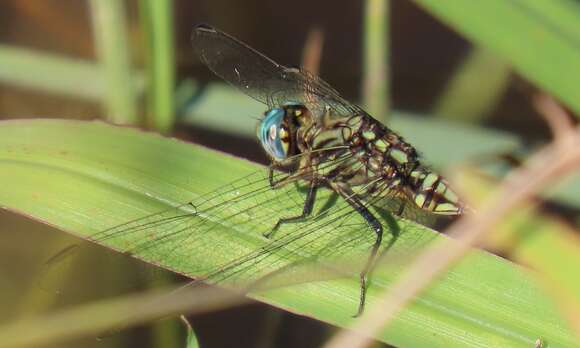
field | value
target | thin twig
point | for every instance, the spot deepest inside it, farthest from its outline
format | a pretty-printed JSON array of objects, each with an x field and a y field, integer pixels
[
  {"x": 312, "y": 51},
  {"x": 552, "y": 162},
  {"x": 556, "y": 117}
]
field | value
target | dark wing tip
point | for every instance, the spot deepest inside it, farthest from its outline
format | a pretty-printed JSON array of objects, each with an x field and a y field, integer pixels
[
  {"x": 198, "y": 35},
  {"x": 203, "y": 27}
]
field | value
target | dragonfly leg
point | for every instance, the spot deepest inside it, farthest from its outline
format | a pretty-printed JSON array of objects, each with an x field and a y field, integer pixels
[
  {"x": 376, "y": 226},
  {"x": 273, "y": 184},
  {"x": 277, "y": 183},
  {"x": 401, "y": 209},
  {"x": 306, "y": 211}
]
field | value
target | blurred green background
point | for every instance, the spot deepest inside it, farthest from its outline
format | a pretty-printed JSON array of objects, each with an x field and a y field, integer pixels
[{"x": 423, "y": 66}]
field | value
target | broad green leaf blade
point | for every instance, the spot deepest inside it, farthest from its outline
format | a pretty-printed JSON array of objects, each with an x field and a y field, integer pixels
[
  {"x": 540, "y": 38},
  {"x": 85, "y": 177},
  {"x": 545, "y": 243}
]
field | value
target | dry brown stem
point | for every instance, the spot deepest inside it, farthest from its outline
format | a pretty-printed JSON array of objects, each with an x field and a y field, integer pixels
[{"x": 116, "y": 314}]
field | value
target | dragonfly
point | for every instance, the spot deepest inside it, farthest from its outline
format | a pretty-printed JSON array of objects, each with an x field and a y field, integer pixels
[
  {"x": 319, "y": 138},
  {"x": 316, "y": 140}
]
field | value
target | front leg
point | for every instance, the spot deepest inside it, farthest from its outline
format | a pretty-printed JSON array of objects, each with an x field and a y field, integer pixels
[
  {"x": 306, "y": 210},
  {"x": 273, "y": 183},
  {"x": 277, "y": 183}
]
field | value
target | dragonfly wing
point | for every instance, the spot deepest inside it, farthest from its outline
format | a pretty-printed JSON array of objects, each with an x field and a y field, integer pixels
[
  {"x": 263, "y": 79},
  {"x": 248, "y": 206},
  {"x": 238, "y": 64}
]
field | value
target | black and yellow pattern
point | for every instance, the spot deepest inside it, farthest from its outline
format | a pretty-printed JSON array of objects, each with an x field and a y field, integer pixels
[{"x": 317, "y": 137}]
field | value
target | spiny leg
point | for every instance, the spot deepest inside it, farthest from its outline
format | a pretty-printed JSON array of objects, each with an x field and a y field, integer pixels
[
  {"x": 401, "y": 209},
  {"x": 284, "y": 181},
  {"x": 376, "y": 226},
  {"x": 273, "y": 184},
  {"x": 306, "y": 211}
]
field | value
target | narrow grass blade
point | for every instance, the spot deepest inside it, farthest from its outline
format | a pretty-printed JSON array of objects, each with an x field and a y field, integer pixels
[
  {"x": 157, "y": 21},
  {"x": 55, "y": 74},
  {"x": 376, "y": 78},
  {"x": 475, "y": 88},
  {"x": 113, "y": 52},
  {"x": 191, "y": 341}
]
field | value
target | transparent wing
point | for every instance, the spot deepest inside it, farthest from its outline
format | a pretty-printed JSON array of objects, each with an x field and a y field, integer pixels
[
  {"x": 187, "y": 237},
  {"x": 246, "y": 209},
  {"x": 263, "y": 79}
]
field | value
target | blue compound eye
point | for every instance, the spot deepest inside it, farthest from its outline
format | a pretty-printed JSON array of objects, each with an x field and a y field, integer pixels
[{"x": 270, "y": 131}]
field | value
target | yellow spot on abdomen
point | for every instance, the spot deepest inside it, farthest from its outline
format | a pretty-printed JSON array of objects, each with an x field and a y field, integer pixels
[{"x": 399, "y": 156}]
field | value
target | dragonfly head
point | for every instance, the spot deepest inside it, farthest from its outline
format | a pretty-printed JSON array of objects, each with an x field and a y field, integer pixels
[
  {"x": 431, "y": 192},
  {"x": 277, "y": 130}
]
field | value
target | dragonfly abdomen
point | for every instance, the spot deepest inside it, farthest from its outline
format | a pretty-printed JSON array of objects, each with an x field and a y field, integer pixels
[
  {"x": 430, "y": 191},
  {"x": 387, "y": 155}
]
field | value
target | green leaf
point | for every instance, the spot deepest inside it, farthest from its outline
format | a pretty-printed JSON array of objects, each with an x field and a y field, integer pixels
[
  {"x": 475, "y": 88},
  {"x": 85, "y": 177},
  {"x": 157, "y": 22},
  {"x": 112, "y": 46},
  {"x": 55, "y": 74},
  {"x": 191, "y": 341},
  {"x": 538, "y": 240},
  {"x": 540, "y": 38},
  {"x": 376, "y": 81}
]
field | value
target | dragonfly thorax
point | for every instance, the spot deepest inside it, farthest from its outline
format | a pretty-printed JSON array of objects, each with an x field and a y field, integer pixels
[{"x": 381, "y": 150}]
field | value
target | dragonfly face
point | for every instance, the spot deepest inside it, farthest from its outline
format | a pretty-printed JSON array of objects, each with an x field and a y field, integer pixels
[
  {"x": 278, "y": 130},
  {"x": 338, "y": 145},
  {"x": 274, "y": 134}
]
